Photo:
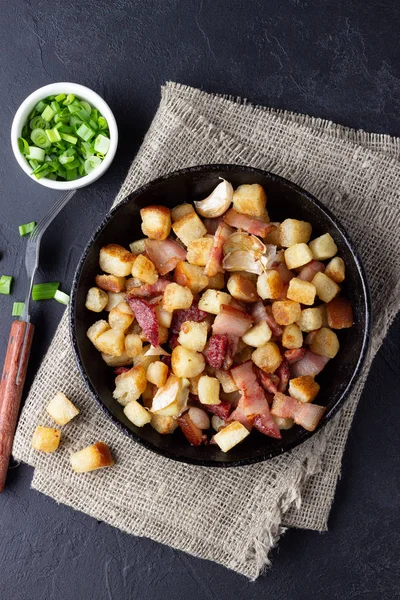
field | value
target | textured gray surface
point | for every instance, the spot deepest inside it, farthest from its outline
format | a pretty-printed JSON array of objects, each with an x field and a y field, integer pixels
[{"x": 333, "y": 60}]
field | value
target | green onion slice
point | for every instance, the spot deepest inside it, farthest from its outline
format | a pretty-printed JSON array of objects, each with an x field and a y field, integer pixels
[
  {"x": 61, "y": 297},
  {"x": 5, "y": 284},
  {"x": 23, "y": 145},
  {"x": 91, "y": 163},
  {"x": 27, "y": 228},
  {"x": 39, "y": 138},
  {"x": 44, "y": 291},
  {"x": 18, "y": 309}
]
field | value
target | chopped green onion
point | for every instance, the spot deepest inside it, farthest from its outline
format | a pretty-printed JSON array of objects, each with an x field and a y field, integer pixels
[
  {"x": 39, "y": 138},
  {"x": 102, "y": 123},
  {"x": 48, "y": 113},
  {"x": 69, "y": 99},
  {"x": 61, "y": 297},
  {"x": 85, "y": 132},
  {"x": 27, "y": 228},
  {"x": 65, "y": 135},
  {"x": 5, "y": 284},
  {"x": 102, "y": 144},
  {"x": 18, "y": 309},
  {"x": 69, "y": 138},
  {"x": 53, "y": 135},
  {"x": 91, "y": 163},
  {"x": 44, "y": 291},
  {"x": 40, "y": 106},
  {"x": 35, "y": 154},
  {"x": 23, "y": 145}
]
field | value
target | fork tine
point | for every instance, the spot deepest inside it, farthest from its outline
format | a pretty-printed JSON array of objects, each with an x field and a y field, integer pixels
[{"x": 53, "y": 212}]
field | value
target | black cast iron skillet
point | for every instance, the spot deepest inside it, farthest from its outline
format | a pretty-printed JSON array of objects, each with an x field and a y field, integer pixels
[{"x": 285, "y": 199}]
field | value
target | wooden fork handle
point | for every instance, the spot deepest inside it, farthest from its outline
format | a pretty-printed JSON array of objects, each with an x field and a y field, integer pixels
[{"x": 18, "y": 350}]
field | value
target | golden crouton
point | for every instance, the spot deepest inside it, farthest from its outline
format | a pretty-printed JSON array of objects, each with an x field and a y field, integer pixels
[
  {"x": 189, "y": 228},
  {"x": 323, "y": 247},
  {"x": 156, "y": 222},
  {"x": 325, "y": 343},
  {"x": 267, "y": 357},
  {"x": 46, "y": 439},
  {"x": 164, "y": 317},
  {"x": 217, "y": 282},
  {"x": 138, "y": 247},
  {"x": 157, "y": 373},
  {"x": 117, "y": 361},
  {"x": 119, "y": 318},
  {"x": 130, "y": 385},
  {"x": 96, "y": 300},
  {"x": 199, "y": 251},
  {"x": 187, "y": 363},
  {"x": 270, "y": 285},
  {"x": 176, "y": 296},
  {"x": 116, "y": 260},
  {"x": 111, "y": 283},
  {"x": 326, "y": 288},
  {"x": 339, "y": 313},
  {"x": 133, "y": 345},
  {"x": 335, "y": 269},
  {"x": 241, "y": 288},
  {"x": 258, "y": 335},
  {"x": 231, "y": 435},
  {"x": 208, "y": 390},
  {"x": 114, "y": 298},
  {"x": 292, "y": 231},
  {"x": 137, "y": 414},
  {"x": 111, "y": 342},
  {"x": 310, "y": 319},
  {"x": 61, "y": 409},
  {"x": 292, "y": 337},
  {"x": 297, "y": 256},
  {"x": 303, "y": 388},
  {"x": 190, "y": 276},
  {"x": 274, "y": 236},
  {"x": 180, "y": 211},
  {"x": 193, "y": 335},
  {"x": 250, "y": 199},
  {"x": 212, "y": 300},
  {"x": 91, "y": 458},
  {"x": 286, "y": 312},
  {"x": 96, "y": 330},
  {"x": 144, "y": 269},
  {"x": 226, "y": 380},
  {"x": 301, "y": 291},
  {"x": 163, "y": 424}
]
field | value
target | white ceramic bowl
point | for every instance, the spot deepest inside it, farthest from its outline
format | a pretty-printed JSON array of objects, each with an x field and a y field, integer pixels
[{"x": 84, "y": 93}]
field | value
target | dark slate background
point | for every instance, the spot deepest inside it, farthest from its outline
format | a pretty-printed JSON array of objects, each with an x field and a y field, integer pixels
[{"x": 333, "y": 59}]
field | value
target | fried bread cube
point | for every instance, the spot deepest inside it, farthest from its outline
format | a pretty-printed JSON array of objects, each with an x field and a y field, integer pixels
[
  {"x": 292, "y": 337},
  {"x": 91, "y": 458},
  {"x": 115, "y": 259},
  {"x": 323, "y": 247},
  {"x": 96, "y": 300},
  {"x": 303, "y": 388},
  {"x": 61, "y": 409},
  {"x": 199, "y": 251},
  {"x": 286, "y": 312},
  {"x": 292, "y": 231},
  {"x": 297, "y": 256},
  {"x": 335, "y": 269},
  {"x": 270, "y": 285},
  {"x": 310, "y": 319},
  {"x": 208, "y": 390},
  {"x": 46, "y": 439},
  {"x": 189, "y": 228},
  {"x": 187, "y": 363},
  {"x": 111, "y": 283},
  {"x": 156, "y": 222},
  {"x": 144, "y": 269},
  {"x": 326, "y": 288},
  {"x": 301, "y": 291},
  {"x": 325, "y": 343},
  {"x": 137, "y": 414},
  {"x": 193, "y": 335},
  {"x": 250, "y": 199},
  {"x": 176, "y": 296},
  {"x": 130, "y": 385},
  {"x": 267, "y": 357},
  {"x": 190, "y": 276}
]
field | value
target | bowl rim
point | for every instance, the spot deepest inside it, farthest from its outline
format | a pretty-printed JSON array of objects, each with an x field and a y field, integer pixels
[
  {"x": 304, "y": 435},
  {"x": 83, "y": 92}
]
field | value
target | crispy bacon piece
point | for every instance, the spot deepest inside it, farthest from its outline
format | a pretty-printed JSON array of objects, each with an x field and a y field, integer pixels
[
  {"x": 231, "y": 321},
  {"x": 284, "y": 375},
  {"x": 173, "y": 340},
  {"x": 310, "y": 364},
  {"x": 192, "y": 433},
  {"x": 249, "y": 224},
  {"x": 147, "y": 290},
  {"x": 120, "y": 370},
  {"x": 307, "y": 272},
  {"x": 269, "y": 381},
  {"x": 146, "y": 317},
  {"x": 214, "y": 262},
  {"x": 305, "y": 414},
  {"x": 216, "y": 350},
  {"x": 259, "y": 312},
  {"x": 273, "y": 325},
  {"x": 166, "y": 360},
  {"x": 253, "y": 401},
  {"x": 212, "y": 224},
  {"x": 294, "y": 355},
  {"x": 165, "y": 254},
  {"x": 239, "y": 415},
  {"x": 189, "y": 314},
  {"x": 221, "y": 410}
]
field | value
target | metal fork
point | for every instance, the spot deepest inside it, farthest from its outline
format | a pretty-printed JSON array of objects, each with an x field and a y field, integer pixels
[{"x": 19, "y": 345}]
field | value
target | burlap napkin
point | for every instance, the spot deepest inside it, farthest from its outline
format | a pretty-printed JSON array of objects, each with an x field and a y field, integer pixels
[{"x": 231, "y": 516}]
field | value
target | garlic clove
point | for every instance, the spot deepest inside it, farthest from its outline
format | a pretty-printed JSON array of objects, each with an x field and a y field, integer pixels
[
  {"x": 242, "y": 260},
  {"x": 269, "y": 256},
  {"x": 156, "y": 351},
  {"x": 217, "y": 203},
  {"x": 244, "y": 241},
  {"x": 171, "y": 399}
]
